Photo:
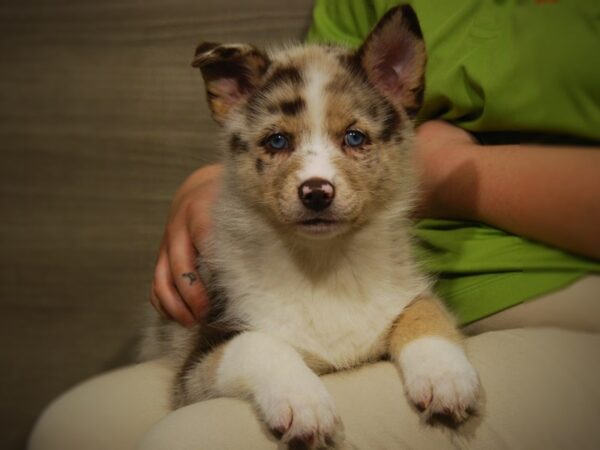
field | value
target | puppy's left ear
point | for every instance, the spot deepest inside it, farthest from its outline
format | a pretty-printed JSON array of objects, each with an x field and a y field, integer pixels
[
  {"x": 393, "y": 56},
  {"x": 231, "y": 73}
]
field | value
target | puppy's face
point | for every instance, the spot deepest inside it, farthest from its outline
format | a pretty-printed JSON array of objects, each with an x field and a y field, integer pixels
[{"x": 318, "y": 137}]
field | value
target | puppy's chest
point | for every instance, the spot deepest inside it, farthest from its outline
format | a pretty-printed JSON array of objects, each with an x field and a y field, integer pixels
[{"x": 335, "y": 324}]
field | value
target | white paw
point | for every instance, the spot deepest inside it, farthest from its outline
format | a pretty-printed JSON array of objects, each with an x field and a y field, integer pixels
[
  {"x": 438, "y": 377},
  {"x": 301, "y": 412}
]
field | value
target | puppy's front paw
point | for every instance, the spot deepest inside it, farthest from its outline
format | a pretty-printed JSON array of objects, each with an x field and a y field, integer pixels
[
  {"x": 438, "y": 378},
  {"x": 301, "y": 412}
]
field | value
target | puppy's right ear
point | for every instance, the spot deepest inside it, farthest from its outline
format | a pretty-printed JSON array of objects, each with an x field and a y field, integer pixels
[
  {"x": 393, "y": 57},
  {"x": 230, "y": 72}
]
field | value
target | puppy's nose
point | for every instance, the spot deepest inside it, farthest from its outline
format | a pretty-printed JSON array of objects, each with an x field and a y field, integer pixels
[{"x": 316, "y": 193}]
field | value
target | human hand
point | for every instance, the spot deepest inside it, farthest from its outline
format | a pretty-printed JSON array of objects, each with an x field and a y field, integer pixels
[
  {"x": 177, "y": 290},
  {"x": 443, "y": 155}
]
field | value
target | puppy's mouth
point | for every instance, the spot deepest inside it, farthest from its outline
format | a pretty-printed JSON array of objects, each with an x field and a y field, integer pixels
[
  {"x": 319, "y": 227},
  {"x": 318, "y": 222}
]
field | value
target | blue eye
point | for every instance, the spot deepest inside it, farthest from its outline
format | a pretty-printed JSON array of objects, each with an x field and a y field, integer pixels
[
  {"x": 354, "y": 138},
  {"x": 277, "y": 141}
]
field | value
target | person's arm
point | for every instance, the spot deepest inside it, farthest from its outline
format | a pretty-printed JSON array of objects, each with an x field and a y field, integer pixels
[
  {"x": 550, "y": 194},
  {"x": 177, "y": 291}
]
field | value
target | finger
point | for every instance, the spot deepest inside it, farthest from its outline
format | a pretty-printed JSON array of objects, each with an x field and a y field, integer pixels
[
  {"x": 168, "y": 297},
  {"x": 182, "y": 257},
  {"x": 154, "y": 300}
]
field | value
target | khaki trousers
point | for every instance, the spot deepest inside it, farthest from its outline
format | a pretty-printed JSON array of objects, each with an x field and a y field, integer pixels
[{"x": 539, "y": 365}]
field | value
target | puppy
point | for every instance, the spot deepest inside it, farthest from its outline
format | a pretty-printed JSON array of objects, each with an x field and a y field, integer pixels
[{"x": 309, "y": 267}]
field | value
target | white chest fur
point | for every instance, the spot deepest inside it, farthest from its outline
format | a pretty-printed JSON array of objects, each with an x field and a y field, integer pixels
[
  {"x": 339, "y": 316},
  {"x": 338, "y": 330}
]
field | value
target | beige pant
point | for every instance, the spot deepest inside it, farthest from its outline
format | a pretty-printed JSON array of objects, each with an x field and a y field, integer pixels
[{"x": 541, "y": 390}]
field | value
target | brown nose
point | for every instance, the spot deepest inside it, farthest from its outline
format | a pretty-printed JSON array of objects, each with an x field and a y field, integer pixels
[{"x": 316, "y": 193}]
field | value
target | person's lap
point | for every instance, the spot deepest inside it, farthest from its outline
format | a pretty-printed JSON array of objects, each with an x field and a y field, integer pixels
[
  {"x": 110, "y": 411},
  {"x": 540, "y": 390}
]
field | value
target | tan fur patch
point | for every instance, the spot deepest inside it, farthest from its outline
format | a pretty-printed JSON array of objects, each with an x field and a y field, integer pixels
[
  {"x": 316, "y": 364},
  {"x": 426, "y": 316},
  {"x": 198, "y": 382},
  {"x": 207, "y": 369}
]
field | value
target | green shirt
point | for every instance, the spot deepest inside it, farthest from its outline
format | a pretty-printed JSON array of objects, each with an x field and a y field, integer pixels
[{"x": 511, "y": 71}]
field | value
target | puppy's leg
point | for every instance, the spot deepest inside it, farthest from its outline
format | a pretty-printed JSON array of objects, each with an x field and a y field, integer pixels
[
  {"x": 196, "y": 378},
  {"x": 290, "y": 397},
  {"x": 426, "y": 346}
]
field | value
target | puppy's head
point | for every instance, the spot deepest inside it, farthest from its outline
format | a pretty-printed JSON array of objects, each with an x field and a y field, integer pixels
[{"x": 318, "y": 137}]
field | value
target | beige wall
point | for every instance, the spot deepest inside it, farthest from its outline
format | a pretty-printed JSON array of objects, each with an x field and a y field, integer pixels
[{"x": 101, "y": 116}]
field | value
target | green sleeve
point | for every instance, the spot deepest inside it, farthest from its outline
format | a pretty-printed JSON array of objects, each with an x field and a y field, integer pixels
[
  {"x": 481, "y": 270},
  {"x": 343, "y": 22}
]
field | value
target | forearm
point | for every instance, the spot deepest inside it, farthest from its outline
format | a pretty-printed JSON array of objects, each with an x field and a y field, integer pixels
[
  {"x": 550, "y": 194},
  {"x": 199, "y": 177}
]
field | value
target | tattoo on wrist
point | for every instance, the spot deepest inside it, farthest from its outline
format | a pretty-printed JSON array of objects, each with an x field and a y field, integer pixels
[{"x": 190, "y": 276}]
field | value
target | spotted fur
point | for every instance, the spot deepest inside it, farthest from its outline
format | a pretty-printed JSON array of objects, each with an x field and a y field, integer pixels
[{"x": 301, "y": 291}]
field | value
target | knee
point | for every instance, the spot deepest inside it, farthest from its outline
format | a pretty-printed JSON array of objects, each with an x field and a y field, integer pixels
[
  {"x": 109, "y": 411},
  {"x": 218, "y": 424}
]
